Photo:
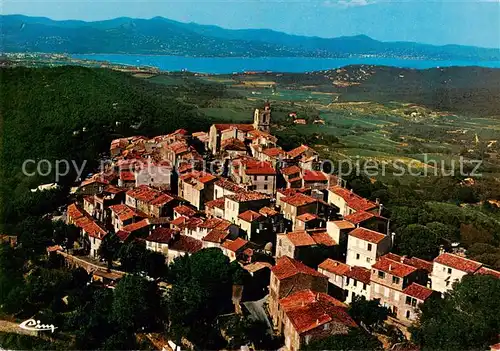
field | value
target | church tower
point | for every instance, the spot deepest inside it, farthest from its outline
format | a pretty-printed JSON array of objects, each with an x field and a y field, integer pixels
[{"x": 262, "y": 118}]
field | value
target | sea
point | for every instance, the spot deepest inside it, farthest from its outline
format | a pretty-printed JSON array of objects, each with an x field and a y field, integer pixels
[{"x": 222, "y": 65}]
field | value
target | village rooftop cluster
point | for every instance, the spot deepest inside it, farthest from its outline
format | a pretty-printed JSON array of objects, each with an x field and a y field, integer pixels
[{"x": 310, "y": 244}]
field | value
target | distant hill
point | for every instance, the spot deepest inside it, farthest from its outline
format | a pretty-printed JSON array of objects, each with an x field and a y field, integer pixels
[{"x": 167, "y": 37}]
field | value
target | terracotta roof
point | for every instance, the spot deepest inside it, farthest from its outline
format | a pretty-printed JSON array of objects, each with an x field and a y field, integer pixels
[
  {"x": 359, "y": 217},
  {"x": 299, "y": 238},
  {"x": 418, "y": 291},
  {"x": 274, "y": 152},
  {"x": 367, "y": 235},
  {"x": 495, "y": 347},
  {"x": 344, "y": 224},
  {"x": 74, "y": 212},
  {"x": 234, "y": 245},
  {"x": 90, "y": 227},
  {"x": 233, "y": 144},
  {"x": 353, "y": 200},
  {"x": 293, "y": 191},
  {"x": 89, "y": 199},
  {"x": 322, "y": 238},
  {"x": 161, "y": 235},
  {"x": 314, "y": 176},
  {"x": 192, "y": 223},
  {"x": 419, "y": 263},
  {"x": 228, "y": 185},
  {"x": 245, "y": 196},
  {"x": 268, "y": 212},
  {"x": 216, "y": 236},
  {"x": 127, "y": 176},
  {"x": 335, "y": 267},
  {"x": 144, "y": 193},
  {"x": 361, "y": 274},
  {"x": 216, "y": 223},
  {"x": 299, "y": 200},
  {"x": 457, "y": 262},
  {"x": 290, "y": 170},
  {"x": 161, "y": 200},
  {"x": 219, "y": 203},
  {"x": 396, "y": 268},
  {"x": 488, "y": 271},
  {"x": 184, "y": 210},
  {"x": 179, "y": 221},
  {"x": 249, "y": 216},
  {"x": 287, "y": 267},
  {"x": 308, "y": 310},
  {"x": 306, "y": 217},
  {"x": 256, "y": 266},
  {"x": 122, "y": 235},
  {"x": 243, "y": 127},
  {"x": 185, "y": 243},
  {"x": 113, "y": 189},
  {"x": 298, "y": 151},
  {"x": 96, "y": 178},
  {"x": 136, "y": 226},
  {"x": 123, "y": 212},
  {"x": 184, "y": 168}
]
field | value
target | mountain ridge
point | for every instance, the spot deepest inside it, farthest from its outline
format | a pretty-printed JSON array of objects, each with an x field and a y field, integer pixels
[{"x": 160, "y": 35}]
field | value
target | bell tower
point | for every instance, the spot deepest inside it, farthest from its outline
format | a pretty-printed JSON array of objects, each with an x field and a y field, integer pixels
[{"x": 262, "y": 118}]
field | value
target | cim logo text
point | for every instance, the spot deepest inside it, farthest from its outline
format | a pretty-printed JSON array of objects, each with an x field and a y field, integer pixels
[{"x": 34, "y": 325}]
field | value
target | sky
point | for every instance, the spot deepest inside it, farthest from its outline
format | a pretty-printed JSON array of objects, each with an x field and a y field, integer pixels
[{"x": 439, "y": 22}]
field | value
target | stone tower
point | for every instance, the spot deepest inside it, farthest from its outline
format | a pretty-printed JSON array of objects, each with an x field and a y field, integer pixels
[{"x": 262, "y": 118}]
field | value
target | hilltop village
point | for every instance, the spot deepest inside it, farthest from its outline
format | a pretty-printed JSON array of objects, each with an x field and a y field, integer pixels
[{"x": 311, "y": 245}]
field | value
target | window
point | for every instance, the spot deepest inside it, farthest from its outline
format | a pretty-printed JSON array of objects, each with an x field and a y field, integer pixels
[
  {"x": 449, "y": 270},
  {"x": 368, "y": 259},
  {"x": 254, "y": 177},
  {"x": 395, "y": 280},
  {"x": 381, "y": 274},
  {"x": 265, "y": 186},
  {"x": 265, "y": 177},
  {"x": 364, "y": 286},
  {"x": 355, "y": 282},
  {"x": 408, "y": 314},
  {"x": 357, "y": 256},
  {"x": 369, "y": 247},
  {"x": 347, "y": 280}
]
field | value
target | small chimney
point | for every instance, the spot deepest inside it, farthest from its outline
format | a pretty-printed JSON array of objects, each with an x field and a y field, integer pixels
[
  {"x": 377, "y": 201},
  {"x": 317, "y": 297},
  {"x": 393, "y": 238},
  {"x": 441, "y": 249},
  {"x": 390, "y": 267},
  {"x": 403, "y": 258},
  {"x": 317, "y": 321},
  {"x": 351, "y": 191}
]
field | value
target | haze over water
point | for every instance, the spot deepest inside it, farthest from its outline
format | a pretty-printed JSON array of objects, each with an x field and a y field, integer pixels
[{"x": 220, "y": 65}]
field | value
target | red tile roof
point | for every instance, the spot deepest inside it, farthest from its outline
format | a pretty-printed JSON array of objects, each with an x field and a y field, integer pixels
[
  {"x": 419, "y": 263},
  {"x": 299, "y": 200},
  {"x": 335, "y": 267},
  {"x": 306, "y": 217},
  {"x": 219, "y": 203},
  {"x": 290, "y": 170},
  {"x": 268, "y": 212},
  {"x": 488, "y": 271},
  {"x": 228, "y": 185},
  {"x": 359, "y": 217},
  {"x": 308, "y": 310},
  {"x": 353, "y": 200},
  {"x": 161, "y": 200},
  {"x": 344, "y": 224},
  {"x": 113, "y": 189},
  {"x": 216, "y": 236},
  {"x": 136, "y": 226},
  {"x": 298, "y": 151},
  {"x": 234, "y": 245},
  {"x": 249, "y": 216},
  {"x": 184, "y": 210},
  {"x": 293, "y": 191},
  {"x": 123, "y": 212},
  {"x": 233, "y": 144},
  {"x": 367, "y": 235},
  {"x": 287, "y": 267},
  {"x": 299, "y": 238},
  {"x": 89, "y": 199},
  {"x": 89, "y": 226},
  {"x": 274, "y": 152},
  {"x": 74, "y": 212},
  {"x": 361, "y": 274},
  {"x": 127, "y": 176},
  {"x": 179, "y": 221},
  {"x": 161, "y": 235},
  {"x": 396, "y": 268},
  {"x": 185, "y": 243},
  {"x": 322, "y": 238},
  {"x": 122, "y": 235},
  {"x": 245, "y": 196},
  {"x": 418, "y": 291},
  {"x": 457, "y": 262},
  {"x": 143, "y": 193},
  {"x": 314, "y": 176}
]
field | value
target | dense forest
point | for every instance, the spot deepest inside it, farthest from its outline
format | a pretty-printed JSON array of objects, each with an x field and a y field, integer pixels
[{"x": 73, "y": 113}]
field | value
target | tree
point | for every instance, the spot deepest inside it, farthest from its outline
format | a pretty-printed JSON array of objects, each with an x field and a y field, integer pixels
[
  {"x": 136, "y": 304},
  {"x": 356, "y": 339},
  {"x": 466, "y": 318},
  {"x": 368, "y": 313},
  {"x": 155, "y": 265},
  {"x": 65, "y": 234},
  {"x": 416, "y": 240},
  {"x": 133, "y": 257},
  {"x": 109, "y": 248},
  {"x": 241, "y": 330}
]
